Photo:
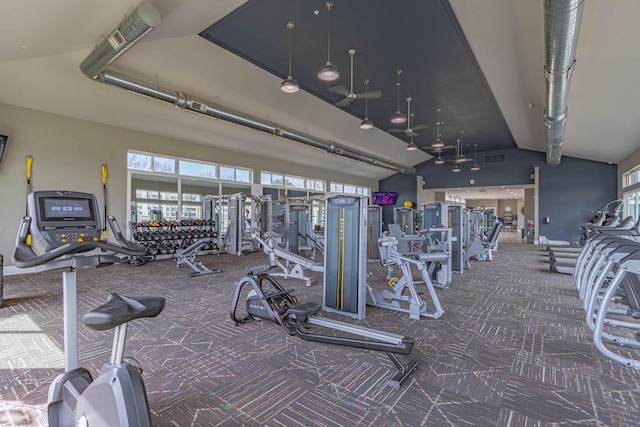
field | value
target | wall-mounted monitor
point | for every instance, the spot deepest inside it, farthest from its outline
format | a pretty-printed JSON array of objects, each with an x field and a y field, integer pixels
[{"x": 385, "y": 197}]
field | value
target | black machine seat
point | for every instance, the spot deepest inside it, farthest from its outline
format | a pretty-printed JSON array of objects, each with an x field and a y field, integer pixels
[
  {"x": 120, "y": 309},
  {"x": 302, "y": 311}
]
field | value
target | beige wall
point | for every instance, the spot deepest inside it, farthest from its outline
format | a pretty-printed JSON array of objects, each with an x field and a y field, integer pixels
[{"x": 68, "y": 154}]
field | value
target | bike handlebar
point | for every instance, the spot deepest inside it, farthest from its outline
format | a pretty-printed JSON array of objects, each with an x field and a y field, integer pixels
[{"x": 23, "y": 255}]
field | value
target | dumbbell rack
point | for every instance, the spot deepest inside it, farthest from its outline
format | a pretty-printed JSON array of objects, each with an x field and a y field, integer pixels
[{"x": 166, "y": 237}]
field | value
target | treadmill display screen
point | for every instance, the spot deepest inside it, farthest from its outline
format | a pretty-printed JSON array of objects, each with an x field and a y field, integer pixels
[{"x": 66, "y": 209}]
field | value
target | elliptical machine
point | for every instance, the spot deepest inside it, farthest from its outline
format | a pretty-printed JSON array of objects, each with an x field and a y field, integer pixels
[{"x": 67, "y": 225}]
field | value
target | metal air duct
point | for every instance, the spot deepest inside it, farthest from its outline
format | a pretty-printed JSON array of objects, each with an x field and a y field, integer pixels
[
  {"x": 144, "y": 18},
  {"x": 561, "y": 28}
]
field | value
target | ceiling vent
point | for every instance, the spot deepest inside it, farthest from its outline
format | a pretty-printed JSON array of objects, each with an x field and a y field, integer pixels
[{"x": 497, "y": 158}]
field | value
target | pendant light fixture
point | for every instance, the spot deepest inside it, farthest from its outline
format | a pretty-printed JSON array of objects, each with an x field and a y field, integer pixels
[
  {"x": 438, "y": 143},
  {"x": 439, "y": 160},
  {"x": 398, "y": 117},
  {"x": 289, "y": 85},
  {"x": 456, "y": 168},
  {"x": 366, "y": 123},
  {"x": 475, "y": 166},
  {"x": 328, "y": 72},
  {"x": 411, "y": 146},
  {"x": 461, "y": 157}
]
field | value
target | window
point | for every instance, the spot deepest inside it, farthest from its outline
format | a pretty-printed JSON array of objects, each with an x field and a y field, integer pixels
[
  {"x": 294, "y": 182},
  {"x": 147, "y": 194},
  {"x": 632, "y": 204},
  {"x": 631, "y": 178},
  {"x": 164, "y": 165},
  {"x": 315, "y": 185},
  {"x": 202, "y": 170},
  {"x": 186, "y": 197},
  {"x": 166, "y": 195},
  {"x": 141, "y": 162},
  {"x": 243, "y": 175},
  {"x": 167, "y": 165},
  {"x": 229, "y": 173},
  {"x": 288, "y": 181},
  {"x": 336, "y": 187}
]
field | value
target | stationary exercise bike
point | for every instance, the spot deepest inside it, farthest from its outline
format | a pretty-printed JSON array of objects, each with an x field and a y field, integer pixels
[{"x": 67, "y": 225}]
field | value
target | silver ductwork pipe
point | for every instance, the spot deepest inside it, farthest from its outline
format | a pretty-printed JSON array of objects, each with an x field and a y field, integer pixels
[
  {"x": 561, "y": 29},
  {"x": 143, "y": 19},
  {"x": 184, "y": 101}
]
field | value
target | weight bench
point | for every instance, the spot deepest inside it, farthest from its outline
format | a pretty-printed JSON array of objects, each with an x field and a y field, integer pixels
[{"x": 188, "y": 256}]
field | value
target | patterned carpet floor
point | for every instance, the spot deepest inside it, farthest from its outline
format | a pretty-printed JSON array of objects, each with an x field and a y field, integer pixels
[{"x": 512, "y": 349}]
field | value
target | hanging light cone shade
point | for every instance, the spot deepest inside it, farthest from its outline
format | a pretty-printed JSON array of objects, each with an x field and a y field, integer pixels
[
  {"x": 290, "y": 85},
  {"x": 439, "y": 161},
  {"x": 455, "y": 168},
  {"x": 438, "y": 143},
  {"x": 328, "y": 72},
  {"x": 475, "y": 166},
  {"x": 398, "y": 117},
  {"x": 366, "y": 124},
  {"x": 412, "y": 146}
]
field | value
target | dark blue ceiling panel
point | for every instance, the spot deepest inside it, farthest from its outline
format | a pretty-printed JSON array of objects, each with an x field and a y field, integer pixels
[{"x": 423, "y": 38}]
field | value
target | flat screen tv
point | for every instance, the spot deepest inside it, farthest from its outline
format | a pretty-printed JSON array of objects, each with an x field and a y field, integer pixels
[
  {"x": 3, "y": 144},
  {"x": 385, "y": 197}
]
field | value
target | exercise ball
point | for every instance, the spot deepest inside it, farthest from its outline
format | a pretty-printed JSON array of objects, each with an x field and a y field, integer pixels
[{"x": 408, "y": 204}]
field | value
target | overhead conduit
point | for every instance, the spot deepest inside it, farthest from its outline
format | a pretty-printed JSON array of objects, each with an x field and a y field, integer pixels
[
  {"x": 561, "y": 28},
  {"x": 143, "y": 19}
]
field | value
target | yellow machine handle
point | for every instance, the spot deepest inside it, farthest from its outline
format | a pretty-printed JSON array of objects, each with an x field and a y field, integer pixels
[
  {"x": 104, "y": 174},
  {"x": 29, "y": 163}
]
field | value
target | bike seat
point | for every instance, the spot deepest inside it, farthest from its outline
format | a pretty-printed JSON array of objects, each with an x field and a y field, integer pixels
[
  {"x": 302, "y": 311},
  {"x": 120, "y": 309}
]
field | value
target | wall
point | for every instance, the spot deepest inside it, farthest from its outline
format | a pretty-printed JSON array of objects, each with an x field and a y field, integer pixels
[
  {"x": 407, "y": 188},
  {"x": 68, "y": 154},
  {"x": 568, "y": 192}
]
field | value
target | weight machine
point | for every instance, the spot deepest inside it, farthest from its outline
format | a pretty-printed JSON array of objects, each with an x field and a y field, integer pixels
[
  {"x": 405, "y": 219},
  {"x": 293, "y": 266},
  {"x": 238, "y": 239},
  {"x": 345, "y": 258},
  {"x": 394, "y": 297},
  {"x": 296, "y": 223},
  {"x": 374, "y": 232}
]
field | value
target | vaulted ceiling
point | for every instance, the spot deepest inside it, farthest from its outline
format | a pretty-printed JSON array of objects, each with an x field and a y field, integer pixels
[{"x": 481, "y": 63}]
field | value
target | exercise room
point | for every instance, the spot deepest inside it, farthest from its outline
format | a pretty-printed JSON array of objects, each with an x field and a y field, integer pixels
[{"x": 319, "y": 213}]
